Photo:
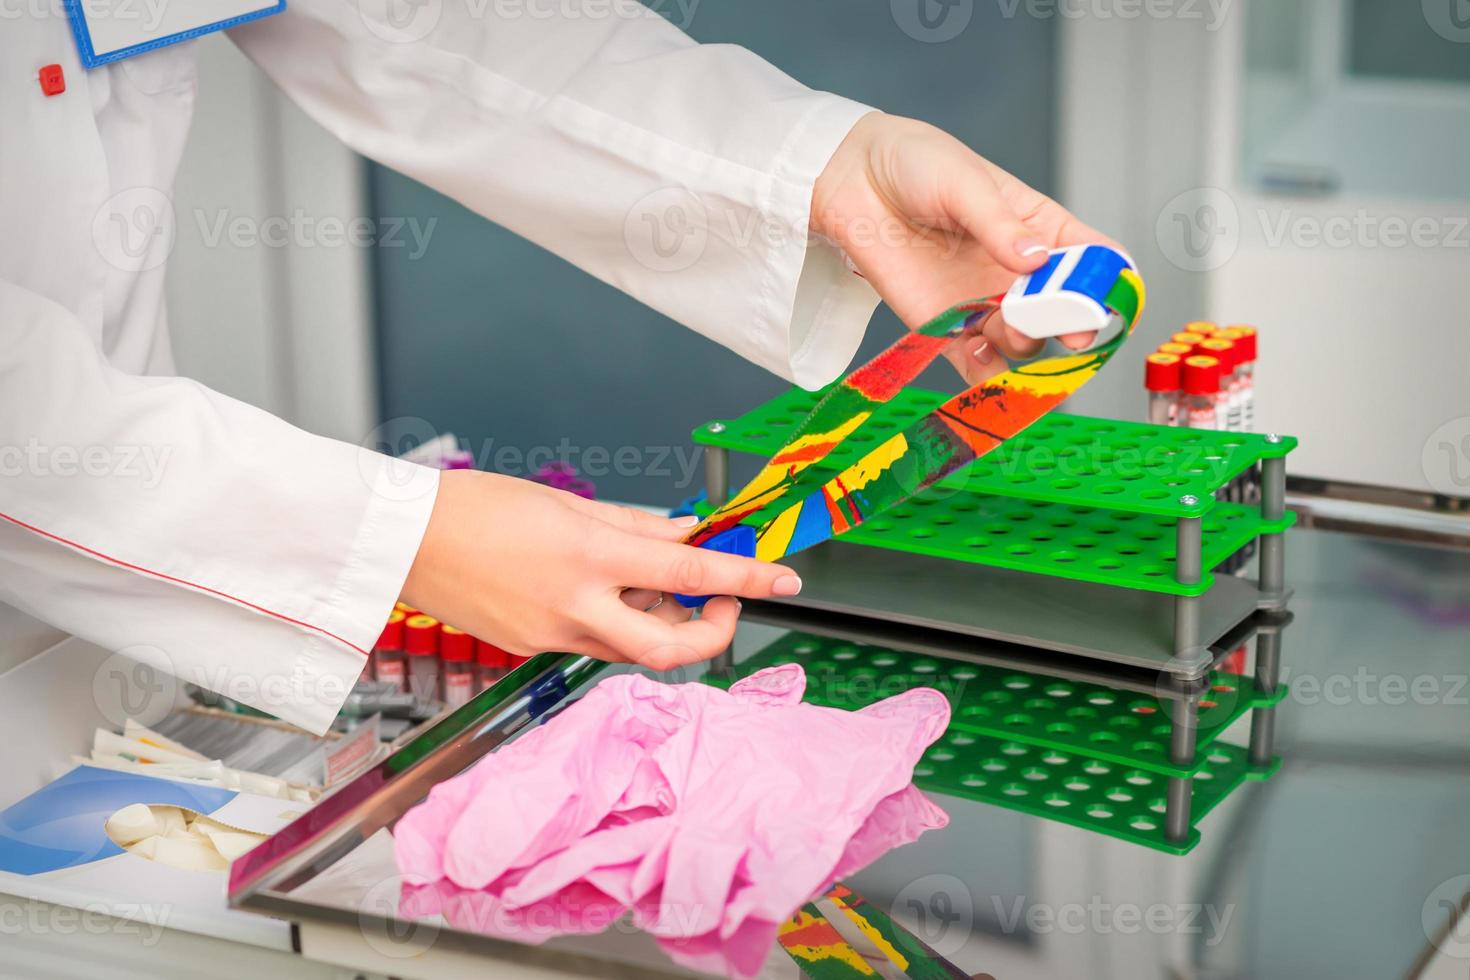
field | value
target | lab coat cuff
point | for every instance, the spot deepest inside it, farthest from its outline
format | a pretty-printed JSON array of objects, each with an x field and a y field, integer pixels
[
  {"x": 830, "y": 316},
  {"x": 822, "y": 313},
  {"x": 400, "y": 499}
]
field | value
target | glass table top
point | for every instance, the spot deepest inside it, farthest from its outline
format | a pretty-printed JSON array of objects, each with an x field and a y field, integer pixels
[{"x": 1343, "y": 864}]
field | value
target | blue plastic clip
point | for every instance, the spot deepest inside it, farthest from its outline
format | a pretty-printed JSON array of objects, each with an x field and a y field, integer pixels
[{"x": 738, "y": 540}]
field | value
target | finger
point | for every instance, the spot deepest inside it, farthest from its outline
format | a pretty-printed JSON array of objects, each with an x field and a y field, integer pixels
[
  {"x": 686, "y": 570},
  {"x": 632, "y": 519},
  {"x": 671, "y": 612},
  {"x": 1078, "y": 341},
  {"x": 655, "y": 604},
  {"x": 1014, "y": 343},
  {"x": 597, "y": 650},
  {"x": 1072, "y": 231},
  {"x": 976, "y": 359},
  {"x": 1009, "y": 341},
  {"x": 975, "y": 203},
  {"x": 640, "y": 599},
  {"x": 658, "y": 645}
]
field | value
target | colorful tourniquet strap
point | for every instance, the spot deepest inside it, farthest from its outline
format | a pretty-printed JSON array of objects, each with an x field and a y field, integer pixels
[{"x": 961, "y": 430}]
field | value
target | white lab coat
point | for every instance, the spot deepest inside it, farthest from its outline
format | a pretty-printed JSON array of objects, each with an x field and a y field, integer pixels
[{"x": 151, "y": 515}]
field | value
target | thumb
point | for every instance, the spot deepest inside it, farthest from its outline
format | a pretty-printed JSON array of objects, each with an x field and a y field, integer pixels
[{"x": 974, "y": 202}]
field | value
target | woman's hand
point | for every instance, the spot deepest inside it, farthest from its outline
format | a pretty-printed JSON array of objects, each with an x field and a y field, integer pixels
[
  {"x": 534, "y": 569},
  {"x": 930, "y": 224}
]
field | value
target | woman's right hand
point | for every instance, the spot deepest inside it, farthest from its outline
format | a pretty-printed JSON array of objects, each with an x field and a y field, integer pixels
[{"x": 534, "y": 569}]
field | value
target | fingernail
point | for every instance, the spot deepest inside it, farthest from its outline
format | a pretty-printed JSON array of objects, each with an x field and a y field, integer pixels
[
  {"x": 786, "y": 585},
  {"x": 1028, "y": 247},
  {"x": 688, "y": 520},
  {"x": 984, "y": 354}
]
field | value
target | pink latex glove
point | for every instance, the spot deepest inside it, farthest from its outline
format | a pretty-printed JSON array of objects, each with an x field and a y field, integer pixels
[{"x": 713, "y": 815}]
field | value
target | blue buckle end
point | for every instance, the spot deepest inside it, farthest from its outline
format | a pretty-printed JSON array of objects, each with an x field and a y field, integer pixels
[{"x": 738, "y": 540}]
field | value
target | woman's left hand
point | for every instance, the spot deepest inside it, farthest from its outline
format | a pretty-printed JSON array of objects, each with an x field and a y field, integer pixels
[{"x": 930, "y": 223}]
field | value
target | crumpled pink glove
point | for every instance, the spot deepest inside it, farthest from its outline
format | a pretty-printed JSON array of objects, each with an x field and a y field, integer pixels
[{"x": 712, "y": 815}]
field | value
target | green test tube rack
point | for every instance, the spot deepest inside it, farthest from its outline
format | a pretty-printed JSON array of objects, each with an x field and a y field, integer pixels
[
  {"x": 1119, "y": 504},
  {"x": 1079, "y": 752}
]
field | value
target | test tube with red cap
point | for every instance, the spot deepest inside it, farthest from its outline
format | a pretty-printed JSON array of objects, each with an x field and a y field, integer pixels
[
  {"x": 1162, "y": 376},
  {"x": 421, "y": 644},
  {"x": 388, "y": 652},
  {"x": 457, "y": 654},
  {"x": 1231, "y": 409},
  {"x": 491, "y": 662},
  {"x": 1244, "y": 338},
  {"x": 1201, "y": 392}
]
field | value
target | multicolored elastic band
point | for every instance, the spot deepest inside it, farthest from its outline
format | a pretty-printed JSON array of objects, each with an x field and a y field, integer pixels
[{"x": 1080, "y": 285}]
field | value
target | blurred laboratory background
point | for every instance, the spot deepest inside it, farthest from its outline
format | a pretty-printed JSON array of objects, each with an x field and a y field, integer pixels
[{"x": 1296, "y": 165}]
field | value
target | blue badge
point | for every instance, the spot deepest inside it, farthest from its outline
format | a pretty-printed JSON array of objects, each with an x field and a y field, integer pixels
[{"x": 110, "y": 30}]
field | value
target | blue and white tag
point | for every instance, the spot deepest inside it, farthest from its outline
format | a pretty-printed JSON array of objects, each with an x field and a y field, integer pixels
[
  {"x": 1066, "y": 295},
  {"x": 110, "y": 30}
]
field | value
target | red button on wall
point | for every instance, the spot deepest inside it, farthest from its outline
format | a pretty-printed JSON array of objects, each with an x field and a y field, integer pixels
[{"x": 53, "y": 82}]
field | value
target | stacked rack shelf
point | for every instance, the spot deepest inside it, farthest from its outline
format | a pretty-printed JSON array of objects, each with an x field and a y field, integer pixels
[
  {"x": 1103, "y": 505},
  {"x": 1074, "y": 751}
]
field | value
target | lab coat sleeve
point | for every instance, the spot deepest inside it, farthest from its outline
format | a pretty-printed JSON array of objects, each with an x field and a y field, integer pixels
[
  {"x": 185, "y": 529},
  {"x": 679, "y": 172}
]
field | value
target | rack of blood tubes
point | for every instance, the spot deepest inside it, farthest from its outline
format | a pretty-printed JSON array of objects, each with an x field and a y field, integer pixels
[
  {"x": 434, "y": 661},
  {"x": 1203, "y": 377}
]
